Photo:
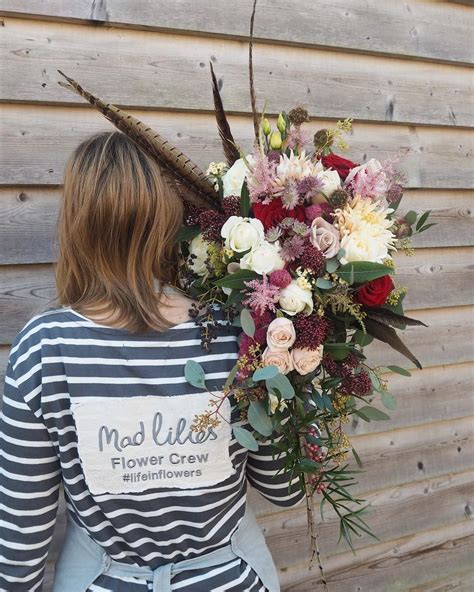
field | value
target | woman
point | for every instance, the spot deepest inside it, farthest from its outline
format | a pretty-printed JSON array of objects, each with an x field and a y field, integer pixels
[{"x": 96, "y": 398}]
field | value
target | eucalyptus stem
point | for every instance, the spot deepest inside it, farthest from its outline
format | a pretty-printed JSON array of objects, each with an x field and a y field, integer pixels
[{"x": 312, "y": 530}]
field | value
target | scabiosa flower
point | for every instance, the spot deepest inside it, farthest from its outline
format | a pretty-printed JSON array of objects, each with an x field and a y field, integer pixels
[
  {"x": 311, "y": 331},
  {"x": 309, "y": 186},
  {"x": 292, "y": 248},
  {"x": 211, "y": 223},
  {"x": 280, "y": 278},
  {"x": 262, "y": 295},
  {"x": 322, "y": 210},
  {"x": 298, "y": 115},
  {"x": 231, "y": 205},
  {"x": 339, "y": 198},
  {"x": 297, "y": 138},
  {"x": 313, "y": 259}
]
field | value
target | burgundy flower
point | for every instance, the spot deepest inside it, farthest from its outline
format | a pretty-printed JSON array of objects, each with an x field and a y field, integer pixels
[
  {"x": 274, "y": 212},
  {"x": 341, "y": 165},
  {"x": 375, "y": 292}
]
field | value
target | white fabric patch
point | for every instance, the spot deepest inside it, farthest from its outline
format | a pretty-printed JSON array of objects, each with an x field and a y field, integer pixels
[{"x": 138, "y": 443}]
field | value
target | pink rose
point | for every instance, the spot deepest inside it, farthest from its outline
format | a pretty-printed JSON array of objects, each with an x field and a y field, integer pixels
[
  {"x": 281, "y": 334},
  {"x": 280, "y": 359},
  {"x": 325, "y": 237},
  {"x": 306, "y": 360}
]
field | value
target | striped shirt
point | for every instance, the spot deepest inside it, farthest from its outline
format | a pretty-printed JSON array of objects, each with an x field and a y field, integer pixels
[{"x": 62, "y": 359}]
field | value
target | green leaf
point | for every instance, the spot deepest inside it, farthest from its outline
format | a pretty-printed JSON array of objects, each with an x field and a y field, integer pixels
[
  {"x": 281, "y": 384},
  {"x": 187, "y": 233},
  {"x": 423, "y": 219},
  {"x": 332, "y": 265},
  {"x": 245, "y": 438},
  {"x": 324, "y": 284},
  {"x": 357, "y": 458},
  {"x": 360, "y": 272},
  {"x": 388, "y": 335},
  {"x": 337, "y": 351},
  {"x": 410, "y": 217},
  {"x": 399, "y": 370},
  {"x": 247, "y": 323},
  {"x": 236, "y": 280},
  {"x": 371, "y": 413},
  {"x": 265, "y": 373},
  {"x": 258, "y": 418},
  {"x": 194, "y": 374},
  {"x": 362, "y": 338},
  {"x": 427, "y": 226},
  {"x": 234, "y": 297},
  {"x": 340, "y": 254},
  {"x": 388, "y": 400},
  {"x": 232, "y": 375},
  {"x": 244, "y": 200}
]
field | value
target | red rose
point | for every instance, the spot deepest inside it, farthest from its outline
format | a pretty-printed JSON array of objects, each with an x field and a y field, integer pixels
[
  {"x": 341, "y": 165},
  {"x": 375, "y": 293},
  {"x": 274, "y": 212}
]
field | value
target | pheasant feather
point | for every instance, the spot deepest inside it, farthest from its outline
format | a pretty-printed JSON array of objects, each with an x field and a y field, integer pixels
[
  {"x": 191, "y": 181},
  {"x": 230, "y": 151}
]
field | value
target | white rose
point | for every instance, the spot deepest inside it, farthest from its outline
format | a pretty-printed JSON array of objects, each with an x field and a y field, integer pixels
[
  {"x": 264, "y": 258},
  {"x": 324, "y": 237},
  {"x": 360, "y": 246},
  {"x": 233, "y": 180},
  {"x": 241, "y": 234},
  {"x": 331, "y": 181},
  {"x": 198, "y": 247},
  {"x": 294, "y": 299}
]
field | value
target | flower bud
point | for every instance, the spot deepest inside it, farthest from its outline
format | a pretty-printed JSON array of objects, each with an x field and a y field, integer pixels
[
  {"x": 275, "y": 140},
  {"x": 281, "y": 123},
  {"x": 266, "y": 129}
]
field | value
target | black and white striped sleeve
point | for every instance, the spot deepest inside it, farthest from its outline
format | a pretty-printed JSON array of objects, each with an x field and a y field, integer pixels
[
  {"x": 265, "y": 473},
  {"x": 30, "y": 480}
]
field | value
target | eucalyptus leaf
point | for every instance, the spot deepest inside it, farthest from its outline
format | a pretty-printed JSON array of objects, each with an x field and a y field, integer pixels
[
  {"x": 281, "y": 384},
  {"x": 245, "y": 438},
  {"x": 324, "y": 284},
  {"x": 258, "y": 418},
  {"x": 332, "y": 264},
  {"x": 399, "y": 370},
  {"x": 360, "y": 272},
  {"x": 371, "y": 413},
  {"x": 388, "y": 400},
  {"x": 341, "y": 253},
  {"x": 337, "y": 351},
  {"x": 247, "y": 323},
  {"x": 232, "y": 375},
  {"x": 194, "y": 374},
  {"x": 265, "y": 373},
  {"x": 362, "y": 338}
]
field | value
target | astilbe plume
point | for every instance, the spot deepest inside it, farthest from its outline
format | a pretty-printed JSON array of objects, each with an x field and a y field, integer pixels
[
  {"x": 262, "y": 295},
  {"x": 261, "y": 178},
  {"x": 311, "y": 331}
]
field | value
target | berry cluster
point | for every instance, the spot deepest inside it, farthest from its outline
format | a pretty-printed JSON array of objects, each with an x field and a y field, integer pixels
[{"x": 311, "y": 331}]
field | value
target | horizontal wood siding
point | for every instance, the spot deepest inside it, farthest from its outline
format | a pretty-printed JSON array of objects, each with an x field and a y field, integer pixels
[{"x": 402, "y": 70}]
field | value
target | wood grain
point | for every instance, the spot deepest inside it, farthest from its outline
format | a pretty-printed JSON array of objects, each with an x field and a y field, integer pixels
[
  {"x": 392, "y": 566},
  {"x": 37, "y": 140},
  {"x": 28, "y": 223},
  {"x": 423, "y": 30},
  {"x": 172, "y": 73}
]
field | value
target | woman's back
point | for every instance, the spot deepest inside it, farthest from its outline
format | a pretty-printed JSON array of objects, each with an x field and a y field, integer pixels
[{"x": 111, "y": 411}]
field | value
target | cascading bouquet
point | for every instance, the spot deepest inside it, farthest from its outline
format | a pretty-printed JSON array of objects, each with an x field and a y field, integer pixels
[
  {"x": 297, "y": 246},
  {"x": 301, "y": 255}
]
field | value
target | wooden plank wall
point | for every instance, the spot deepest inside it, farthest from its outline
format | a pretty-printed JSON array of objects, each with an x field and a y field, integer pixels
[{"x": 402, "y": 70}]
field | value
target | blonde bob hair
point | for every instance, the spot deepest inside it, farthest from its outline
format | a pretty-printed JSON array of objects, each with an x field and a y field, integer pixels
[{"x": 117, "y": 231}]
